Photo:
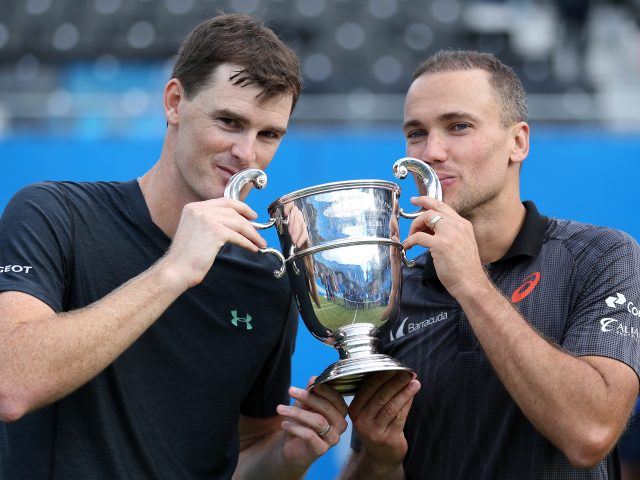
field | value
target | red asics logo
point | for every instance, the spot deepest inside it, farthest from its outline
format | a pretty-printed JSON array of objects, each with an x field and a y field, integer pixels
[{"x": 526, "y": 288}]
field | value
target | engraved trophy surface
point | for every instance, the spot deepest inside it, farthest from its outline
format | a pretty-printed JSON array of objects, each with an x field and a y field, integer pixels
[{"x": 341, "y": 249}]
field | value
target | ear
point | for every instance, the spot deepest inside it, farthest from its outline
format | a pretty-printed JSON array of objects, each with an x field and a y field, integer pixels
[
  {"x": 520, "y": 142},
  {"x": 173, "y": 95}
]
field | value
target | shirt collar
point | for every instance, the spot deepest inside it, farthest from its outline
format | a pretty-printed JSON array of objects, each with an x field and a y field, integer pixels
[
  {"x": 531, "y": 235},
  {"x": 527, "y": 243}
]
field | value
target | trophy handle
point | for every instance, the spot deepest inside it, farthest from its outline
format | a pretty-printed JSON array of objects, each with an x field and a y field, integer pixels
[
  {"x": 428, "y": 176},
  {"x": 406, "y": 260},
  {"x": 259, "y": 179}
]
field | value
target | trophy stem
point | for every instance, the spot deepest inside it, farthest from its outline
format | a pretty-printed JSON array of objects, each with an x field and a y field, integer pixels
[
  {"x": 356, "y": 340},
  {"x": 359, "y": 359}
]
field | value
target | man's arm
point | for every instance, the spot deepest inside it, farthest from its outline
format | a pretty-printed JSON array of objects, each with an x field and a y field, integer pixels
[
  {"x": 45, "y": 356},
  {"x": 361, "y": 465},
  {"x": 284, "y": 446},
  {"x": 580, "y": 404},
  {"x": 379, "y": 411}
]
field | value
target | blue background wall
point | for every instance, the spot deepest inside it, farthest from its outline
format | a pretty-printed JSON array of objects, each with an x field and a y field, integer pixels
[{"x": 585, "y": 175}]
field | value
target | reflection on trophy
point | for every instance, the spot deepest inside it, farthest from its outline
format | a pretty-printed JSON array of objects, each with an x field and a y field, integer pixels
[{"x": 341, "y": 249}]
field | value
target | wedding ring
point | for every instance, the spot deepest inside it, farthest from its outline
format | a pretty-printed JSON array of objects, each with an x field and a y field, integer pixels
[
  {"x": 325, "y": 430},
  {"x": 434, "y": 220}
]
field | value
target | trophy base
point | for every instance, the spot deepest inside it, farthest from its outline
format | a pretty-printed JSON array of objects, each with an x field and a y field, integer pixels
[{"x": 348, "y": 374}]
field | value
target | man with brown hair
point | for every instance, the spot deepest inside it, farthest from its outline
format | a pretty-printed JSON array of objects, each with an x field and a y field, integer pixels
[
  {"x": 144, "y": 336},
  {"x": 520, "y": 327}
]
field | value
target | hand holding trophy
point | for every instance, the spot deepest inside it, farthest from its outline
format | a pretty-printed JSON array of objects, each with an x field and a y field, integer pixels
[{"x": 341, "y": 248}]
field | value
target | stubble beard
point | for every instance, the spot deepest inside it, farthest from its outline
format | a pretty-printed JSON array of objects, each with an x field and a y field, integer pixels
[{"x": 470, "y": 206}]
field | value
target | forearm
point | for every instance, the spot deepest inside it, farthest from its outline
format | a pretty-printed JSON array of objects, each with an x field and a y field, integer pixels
[
  {"x": 360, "y": 465},
  {"x": 45, "y": 358},
  {"x": 263, "y": 460},
  {"x": 563, "y": 396}
]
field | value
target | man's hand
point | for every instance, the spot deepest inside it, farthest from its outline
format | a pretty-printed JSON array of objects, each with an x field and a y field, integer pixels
[
  {"x": 203, "y": 230},
  {"x": 451, "y": 242},
  {"x": 312, "y": 425},
  {"x": 379, "y": 411}
]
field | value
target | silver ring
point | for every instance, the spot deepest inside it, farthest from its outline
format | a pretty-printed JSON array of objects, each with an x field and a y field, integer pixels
[
  {"x": 434, "y": 220},
  {"x": 325, "y": 430}
]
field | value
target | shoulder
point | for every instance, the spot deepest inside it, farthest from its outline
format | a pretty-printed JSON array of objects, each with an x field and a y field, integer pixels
[
  {"x": 66, "y": 191},
  {"x": 44, "y": 198},
  {"x": 578, "y": 237}
]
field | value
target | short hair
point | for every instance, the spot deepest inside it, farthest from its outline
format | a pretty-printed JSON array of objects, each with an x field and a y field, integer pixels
[
  {"x": 505, "y": 83},
  {"x": 266, "y": 60}
]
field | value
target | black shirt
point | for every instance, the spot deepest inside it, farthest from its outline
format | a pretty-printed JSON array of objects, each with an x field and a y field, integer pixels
[
  {"x": 568, "y": 280},
  {"x": 168, "y": 407}
]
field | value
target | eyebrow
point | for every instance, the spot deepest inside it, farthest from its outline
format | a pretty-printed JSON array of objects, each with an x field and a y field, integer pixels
[
  {"x": 445, "y": 117},
  {"x": 225, "y": 112}
]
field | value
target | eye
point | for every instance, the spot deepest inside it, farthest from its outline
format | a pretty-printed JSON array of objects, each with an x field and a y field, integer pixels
[
  {"x": 270, "y": 135},
  {"x": 415, "y": 134},
  {"x": 230, "y": 122},
  {"x": 459, "y": 127}
]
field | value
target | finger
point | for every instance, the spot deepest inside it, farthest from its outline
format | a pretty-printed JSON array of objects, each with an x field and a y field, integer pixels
[
  {"x": 316, "y": 444},
  {"x": 213, "y": 213},
  {"x": 366, "y": 391},
  {"x": 392, "y": 411},
  {"x": 313, "y": 422},
  {"x": 376, "y": 392},
  {"x": 384, "y": 395},
  {"x": 332, "y": 409},
  {"x": 399, "y": 420},
  {"x": 239, "y": 231},
  {"x": 242, "y": 241},
  {"x": 311, "y": 381},
  {"x": 242, "y": 226},
  {"x": 334, "y": 397},
  {"x": 427, "y": 203},
  {"x": 422, "y": 223},
  {"x": 425, "y": 240},
  {"x": 237, "y": 205}
]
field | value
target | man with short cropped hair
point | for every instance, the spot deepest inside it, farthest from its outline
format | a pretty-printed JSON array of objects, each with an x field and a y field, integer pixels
[
  {"x": 518, "y": 325},
  {"x": 149, "y": 339}
]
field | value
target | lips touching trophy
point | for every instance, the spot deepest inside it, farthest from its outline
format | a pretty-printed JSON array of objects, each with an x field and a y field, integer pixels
[{"x": 341, "y": 248}]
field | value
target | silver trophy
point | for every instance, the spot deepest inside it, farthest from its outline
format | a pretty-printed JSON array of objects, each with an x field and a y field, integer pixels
[{"x": 341, "y": 248}]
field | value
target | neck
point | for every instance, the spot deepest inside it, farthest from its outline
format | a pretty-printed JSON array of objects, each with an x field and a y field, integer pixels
[
  {"x": 164, "y": 200},
  {"x": 495, "y": 232}
]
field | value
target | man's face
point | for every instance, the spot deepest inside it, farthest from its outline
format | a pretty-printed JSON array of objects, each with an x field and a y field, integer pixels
[
  {"x": 223, "y": 129},
  {"x": 452, "y": 122}
]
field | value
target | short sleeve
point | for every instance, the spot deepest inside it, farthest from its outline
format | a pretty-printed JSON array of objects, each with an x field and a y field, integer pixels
[
  {"x": 273, "y": 381},
  {"x": 36, "y": 244},
  {"x": 605, "y": 320}
]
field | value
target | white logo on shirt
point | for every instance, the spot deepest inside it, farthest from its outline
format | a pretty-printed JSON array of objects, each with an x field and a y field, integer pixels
[
  {"x": 612, "y": 325},
  {"x": 400, "y": 332},
  {"x": 620, "y": 299},
  {"x": 413, "y": 327},
  {"x": 613, "y": 302},
  {"x": 15, "y": 268}
]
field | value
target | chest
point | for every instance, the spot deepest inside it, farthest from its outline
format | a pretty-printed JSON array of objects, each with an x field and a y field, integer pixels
[{"x": 432, "y": 329}]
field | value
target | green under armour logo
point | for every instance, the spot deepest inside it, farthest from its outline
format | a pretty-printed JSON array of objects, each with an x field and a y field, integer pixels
[{"x": 246, "y": 320}]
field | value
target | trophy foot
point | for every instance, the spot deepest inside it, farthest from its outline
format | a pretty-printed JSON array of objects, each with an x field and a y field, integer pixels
[{"x": 348, "y": 374}]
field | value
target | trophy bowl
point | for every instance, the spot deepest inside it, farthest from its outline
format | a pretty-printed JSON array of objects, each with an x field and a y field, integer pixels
[{"x": 341, "y": 250}]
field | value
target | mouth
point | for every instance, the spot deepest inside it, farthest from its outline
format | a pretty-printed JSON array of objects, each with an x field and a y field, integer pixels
[
  {"x": 445, "y": 179},
  {"x": 227, "y": 171}
]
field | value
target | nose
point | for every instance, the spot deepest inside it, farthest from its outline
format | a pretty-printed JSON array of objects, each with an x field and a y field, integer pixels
[
  {"x": 244, "y": 149},
  {"x": 435, "y": 149}
]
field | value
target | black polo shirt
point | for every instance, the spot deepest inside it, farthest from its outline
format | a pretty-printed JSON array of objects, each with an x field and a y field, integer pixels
[
  {"x": 577, "y": 284},
  {"x": 168, "y": 407}
]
